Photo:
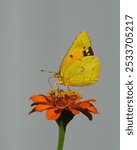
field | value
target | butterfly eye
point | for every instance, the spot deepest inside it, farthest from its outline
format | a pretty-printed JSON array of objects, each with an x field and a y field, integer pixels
[{"x": 71, "y": 56}]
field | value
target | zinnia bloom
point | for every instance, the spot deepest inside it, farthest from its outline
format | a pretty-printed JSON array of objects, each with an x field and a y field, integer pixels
[{"x": 59, "y": 102}]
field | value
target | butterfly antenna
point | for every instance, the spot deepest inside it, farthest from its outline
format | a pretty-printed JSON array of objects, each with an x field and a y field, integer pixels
[
  {"x": 46, "y": 70},
  {"x": 42, "y": 70}
]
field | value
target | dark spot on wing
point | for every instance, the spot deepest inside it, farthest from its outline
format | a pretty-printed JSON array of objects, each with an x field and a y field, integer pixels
[
  {"x": 84, "y": 53},
  {"x": 88, "y": 52},
  {"x": 91, "y": 51},
  {"x": 71, "y": 56}
]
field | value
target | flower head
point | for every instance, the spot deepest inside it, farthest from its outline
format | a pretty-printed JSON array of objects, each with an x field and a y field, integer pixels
[{"x": 62, "y": 102}]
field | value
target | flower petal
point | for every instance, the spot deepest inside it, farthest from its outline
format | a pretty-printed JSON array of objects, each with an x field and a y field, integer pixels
[
  {"x": 32, "y": 111},
  {"x": 53, "y": 114},
  {"x": 42, "y": 107},
  {"x": 38, "y": 98},
  {"x": 86, "y": 113},
  {"x": 90, "y": 100},
  {"x": 93, "y": 109},
  {"x": 74, "y": 111},
  {"x": 84, "y": 104}
]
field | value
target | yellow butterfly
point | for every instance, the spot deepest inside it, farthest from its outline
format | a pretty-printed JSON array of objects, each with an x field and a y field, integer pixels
[{"x": 79, "y": 67}]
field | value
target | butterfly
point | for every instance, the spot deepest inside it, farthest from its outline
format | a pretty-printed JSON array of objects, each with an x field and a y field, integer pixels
[{"x": 80, "y": 66}]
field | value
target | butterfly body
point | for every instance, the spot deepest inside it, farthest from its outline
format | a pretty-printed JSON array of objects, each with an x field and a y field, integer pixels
[{"x": 80, "y": 67}]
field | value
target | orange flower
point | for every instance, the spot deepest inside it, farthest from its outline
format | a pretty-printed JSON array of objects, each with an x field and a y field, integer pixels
[{"x": 58, "y": 102}]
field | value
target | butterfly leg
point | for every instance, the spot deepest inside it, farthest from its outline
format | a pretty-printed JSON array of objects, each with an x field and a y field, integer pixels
[
  {"x": 50, "y": 82},
  {"x": 56, "y": 86},
  {"x": 68, "y": 88}
]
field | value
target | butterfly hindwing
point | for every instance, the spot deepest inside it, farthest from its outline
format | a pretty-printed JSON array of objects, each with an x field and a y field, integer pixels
[{"x": 84, "y": 73}]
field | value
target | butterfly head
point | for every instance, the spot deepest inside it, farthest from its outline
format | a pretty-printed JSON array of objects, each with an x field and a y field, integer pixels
[{"x": 57, "y": 75}]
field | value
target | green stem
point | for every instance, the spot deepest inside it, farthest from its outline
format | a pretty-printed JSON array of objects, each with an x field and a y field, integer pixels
[{"x": 61, "y": 136}]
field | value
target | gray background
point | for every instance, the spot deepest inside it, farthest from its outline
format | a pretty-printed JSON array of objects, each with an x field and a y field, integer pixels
[{"x": 36, "y": 34}]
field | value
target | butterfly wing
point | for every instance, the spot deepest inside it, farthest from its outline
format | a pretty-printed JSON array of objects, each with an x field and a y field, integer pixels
[
  {"x": 83, "y": 72},
  {"x": 79, "y": 67},
  {"x": 76, "y": 51}
]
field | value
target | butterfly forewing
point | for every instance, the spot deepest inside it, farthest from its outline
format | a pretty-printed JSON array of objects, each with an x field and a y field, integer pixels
[{"x": 76, "y": 51}]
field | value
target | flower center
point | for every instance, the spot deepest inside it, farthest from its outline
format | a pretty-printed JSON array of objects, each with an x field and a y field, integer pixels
[{"x": 62, "y": 99}]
